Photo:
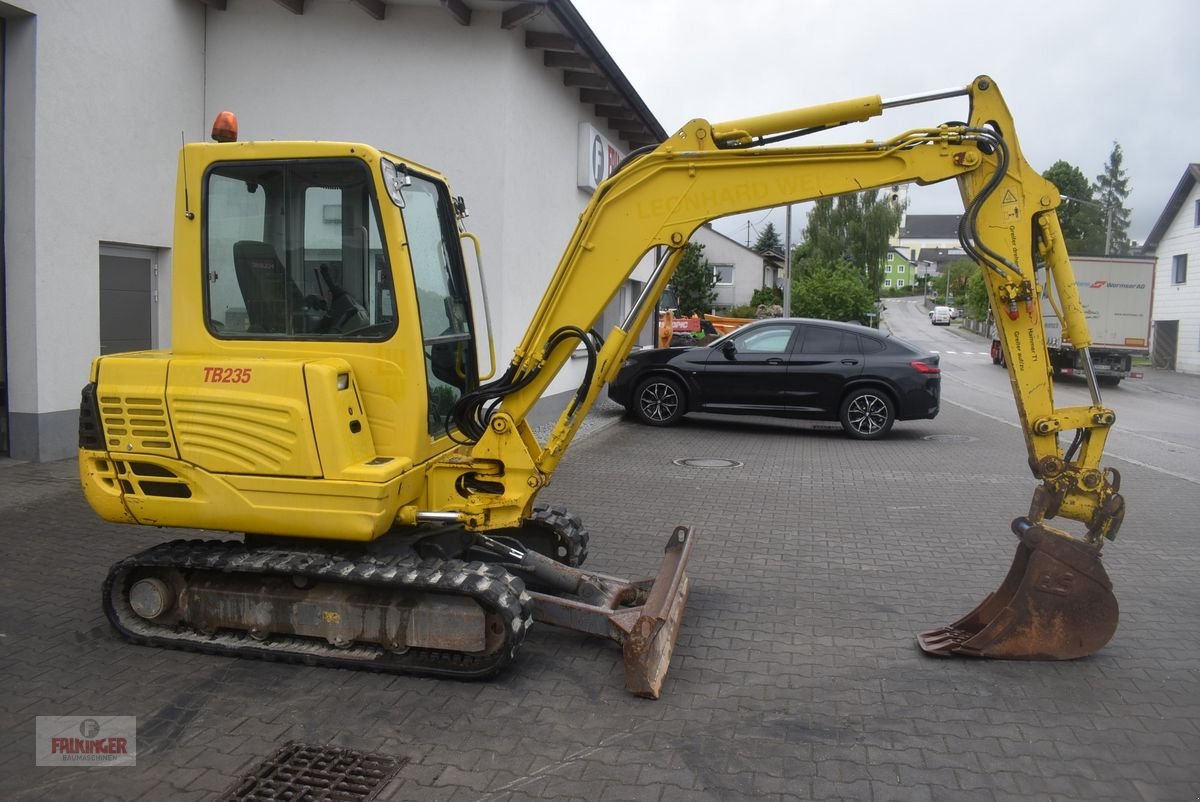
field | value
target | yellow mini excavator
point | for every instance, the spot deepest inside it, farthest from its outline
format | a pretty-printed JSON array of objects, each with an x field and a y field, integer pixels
[{"x": 324, "y": 398}]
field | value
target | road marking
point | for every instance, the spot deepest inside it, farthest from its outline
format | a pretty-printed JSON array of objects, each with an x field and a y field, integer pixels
[
  {"x": 1112, "y": 454},
  {"x": 1158, "y": 440}
]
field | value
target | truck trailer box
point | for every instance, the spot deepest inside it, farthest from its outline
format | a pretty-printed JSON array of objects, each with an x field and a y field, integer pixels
[{"x": 1116, "y": 295}]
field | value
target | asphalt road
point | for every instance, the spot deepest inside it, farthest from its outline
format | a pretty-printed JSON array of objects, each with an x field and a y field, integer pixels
[{"x": 1157, "y": 426}]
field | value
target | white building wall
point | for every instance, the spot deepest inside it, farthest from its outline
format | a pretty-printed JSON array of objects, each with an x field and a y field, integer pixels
[
  {"x": 97, "y": 96},
  {"x": 1181, "y": 301},
  {"x": 471, "y": 102},
  {"x": 747, "y": 265}
]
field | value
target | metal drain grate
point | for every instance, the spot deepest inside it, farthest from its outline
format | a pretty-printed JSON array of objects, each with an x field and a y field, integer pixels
[
  {"x": 950, "y": 438},
  {"x": 702, "y": 462},
  {"x": 303, "y": 773}
]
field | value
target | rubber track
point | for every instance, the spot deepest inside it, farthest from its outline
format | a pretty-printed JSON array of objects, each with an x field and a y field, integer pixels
[
  {"x": 569, "y": 529},
  {"x": 493, "y": 588}
]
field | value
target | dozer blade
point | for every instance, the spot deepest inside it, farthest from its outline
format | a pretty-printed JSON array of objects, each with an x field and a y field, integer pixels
[
  {"x": 642, "y": 615},
  {"x": 651, "y": 641},
  {"x": 1055, "y": 604}
]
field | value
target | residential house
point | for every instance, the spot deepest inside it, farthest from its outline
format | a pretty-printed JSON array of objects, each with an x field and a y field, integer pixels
[
  {"x": 919, "y": 232},
  {"x": 1174, "y": 242},
  {"x": 898, "y": 269},
  {"x": 739, "y": 270}
]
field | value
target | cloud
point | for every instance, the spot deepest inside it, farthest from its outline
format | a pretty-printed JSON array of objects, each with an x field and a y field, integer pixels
[{"x": 1077, "y": 75}]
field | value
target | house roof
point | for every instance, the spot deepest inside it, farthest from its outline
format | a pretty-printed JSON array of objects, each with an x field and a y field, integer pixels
[
  {"x": 939, "y": 255},
  {"x": 1190, "y": 176},
  {"x": 567, "y": 43},
  {"x": 711, "y": 230},
  {"x": 930, "y": 226}
]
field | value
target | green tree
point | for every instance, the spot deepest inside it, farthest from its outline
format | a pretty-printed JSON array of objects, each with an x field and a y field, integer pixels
[
  {"x": 1112, "y": 190},
  {"x": 694, "y": 282},
  {"x": 1082, "y": 224},
  {"x": 956, "y": 278},
  {"x": 766, "y": 295},
  {"x": 832, "y": 293},
  {"x": 854, "y": 229},
  {"x": 977, "y": 297},
  {"x": 769, "y": 240}
]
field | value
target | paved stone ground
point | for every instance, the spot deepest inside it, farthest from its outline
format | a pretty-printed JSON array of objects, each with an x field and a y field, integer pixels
[{"x": 796, "y": 675}]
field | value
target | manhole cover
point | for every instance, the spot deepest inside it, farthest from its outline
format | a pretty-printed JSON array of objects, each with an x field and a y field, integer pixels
[
  {"x": 315, "y": 774},
  {"x": 704, "y": 462},
  {"x": 950, "y": 438}
]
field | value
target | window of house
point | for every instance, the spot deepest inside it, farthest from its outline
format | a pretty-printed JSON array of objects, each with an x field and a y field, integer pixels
[
  {"x": 887, "y": 268},
  {"x": 723, "y": 274},
  {"x": 1197, "y": 213},
  {"x": 1179, "y": 269},
  {"x": 900, "y": 267},
  {"x": 899, "y": 282},
  {"x": 887, "y": 282}
]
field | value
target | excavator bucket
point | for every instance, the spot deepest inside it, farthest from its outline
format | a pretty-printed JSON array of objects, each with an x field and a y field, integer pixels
[
  {"x": 642, "y": 615},
  {"x": 1055, "y": 604}
]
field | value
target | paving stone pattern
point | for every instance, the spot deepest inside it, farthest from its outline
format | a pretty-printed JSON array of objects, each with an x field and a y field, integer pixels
[{"x": 796, "y": 674}]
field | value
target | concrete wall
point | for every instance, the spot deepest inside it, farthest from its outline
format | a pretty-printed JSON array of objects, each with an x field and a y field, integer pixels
[
  {"x": 97, "y": 96},
  {"x": 1181, "y": 301}
]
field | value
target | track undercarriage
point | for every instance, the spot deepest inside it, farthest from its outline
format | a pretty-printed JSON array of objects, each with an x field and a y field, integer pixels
[{"x": 442, "y": 602}]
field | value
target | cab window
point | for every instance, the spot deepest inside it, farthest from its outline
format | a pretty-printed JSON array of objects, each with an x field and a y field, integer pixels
[
  {"x": 443, "y": 301},
  {"x": 293, "y": 251}
]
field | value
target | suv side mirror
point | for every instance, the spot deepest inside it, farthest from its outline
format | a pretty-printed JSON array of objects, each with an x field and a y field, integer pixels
[{"x": 729, "y": 349}]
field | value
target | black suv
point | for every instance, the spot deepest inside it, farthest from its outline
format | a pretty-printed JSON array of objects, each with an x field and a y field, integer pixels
[{"x": 786, "y": 367}]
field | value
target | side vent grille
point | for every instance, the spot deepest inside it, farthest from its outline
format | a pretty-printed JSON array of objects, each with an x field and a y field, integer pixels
[
  {"x": 149, "y": 479},
  {"x": 136, "y": 423}
]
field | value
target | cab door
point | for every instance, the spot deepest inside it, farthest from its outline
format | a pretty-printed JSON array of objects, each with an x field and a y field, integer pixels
[{"x": 824, "y": 360}]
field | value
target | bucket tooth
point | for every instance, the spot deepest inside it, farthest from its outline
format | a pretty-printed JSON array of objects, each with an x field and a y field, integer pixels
[{"x": 1056, "y": 603}]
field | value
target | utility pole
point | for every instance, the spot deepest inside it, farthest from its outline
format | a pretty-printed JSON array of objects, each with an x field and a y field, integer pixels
[{"x": 787, "y": 263}]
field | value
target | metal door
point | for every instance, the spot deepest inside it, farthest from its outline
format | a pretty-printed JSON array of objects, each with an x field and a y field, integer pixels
[
  {"x": 3, "y": 280},
  {"x": 1166, "y": 343},
  {"x": 127, "y": 299}
]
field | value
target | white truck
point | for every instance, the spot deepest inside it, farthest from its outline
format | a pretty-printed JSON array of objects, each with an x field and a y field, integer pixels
[{"x": 1116, "y": 295}]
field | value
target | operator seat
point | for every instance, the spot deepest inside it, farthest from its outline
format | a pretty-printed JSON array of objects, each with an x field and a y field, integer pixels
[{"x": 270, "y": 295}]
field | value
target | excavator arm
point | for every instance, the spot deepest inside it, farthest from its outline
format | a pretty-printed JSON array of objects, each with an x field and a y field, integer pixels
[{"x": 704, "y": 171}]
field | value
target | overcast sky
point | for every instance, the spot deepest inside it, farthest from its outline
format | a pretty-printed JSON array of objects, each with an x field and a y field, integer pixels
[{"x": 1077, "y": 74}]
